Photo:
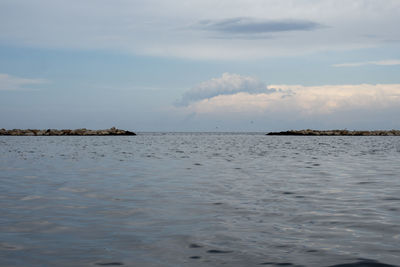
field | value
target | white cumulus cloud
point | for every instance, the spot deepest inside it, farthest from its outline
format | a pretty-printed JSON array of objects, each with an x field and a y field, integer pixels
[
  {"x": 299, "y": 100},
  {"x": 227, "y": 84}
]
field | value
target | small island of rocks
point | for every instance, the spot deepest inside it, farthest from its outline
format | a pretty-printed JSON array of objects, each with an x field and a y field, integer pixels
[
  {"x": 54, "y": 132},
  {"x": 309, "y": 132}
]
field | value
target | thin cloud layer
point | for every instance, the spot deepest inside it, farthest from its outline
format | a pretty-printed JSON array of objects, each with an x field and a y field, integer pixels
[
  {"x": 13, "y": 83},
  {"x": 389, "y": 62},
  {"x": 227, "y": 84},
  {"x": 250, "y": 27},
  {"x": 234, "y": 30}
]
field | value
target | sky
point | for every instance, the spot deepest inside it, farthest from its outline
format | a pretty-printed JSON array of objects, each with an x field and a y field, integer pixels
[{"x": 227, "y": 65}]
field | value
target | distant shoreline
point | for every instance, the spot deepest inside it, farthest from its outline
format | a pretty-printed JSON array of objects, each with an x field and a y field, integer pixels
[
  {"x": 309, "y": 132},
  {"x": 65, "y": 132}
]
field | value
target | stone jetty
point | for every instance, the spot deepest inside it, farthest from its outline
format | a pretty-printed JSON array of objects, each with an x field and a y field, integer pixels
[
  {"x": 309, "y": 132},
  {"x": 54, "y": 132}
]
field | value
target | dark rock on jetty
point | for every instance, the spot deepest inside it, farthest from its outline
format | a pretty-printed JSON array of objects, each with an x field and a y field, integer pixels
[
  {"x": 309, "y": 132},
  {"x": 54, "y": 132}
]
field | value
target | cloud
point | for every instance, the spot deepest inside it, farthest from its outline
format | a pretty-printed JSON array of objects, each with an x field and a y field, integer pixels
[
  {"x": 13, "y": 83},
  {"x": 172, "y": 29},
  {"x": 248, "y": 27},
  {"x": 227, "y": 84},
  {"x": 298, "y": 100},
  {"x": 389, "y": 62}
]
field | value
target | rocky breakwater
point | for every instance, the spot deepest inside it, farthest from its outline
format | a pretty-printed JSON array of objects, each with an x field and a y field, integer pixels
[
  {"x": 54, "y": 132},
  {"x": 309, "y": 132}
]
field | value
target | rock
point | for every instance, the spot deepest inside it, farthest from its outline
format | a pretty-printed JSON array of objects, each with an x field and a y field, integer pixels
[
  {"x": 310, "y": 132},
  {"x": 55, "y": 132}
]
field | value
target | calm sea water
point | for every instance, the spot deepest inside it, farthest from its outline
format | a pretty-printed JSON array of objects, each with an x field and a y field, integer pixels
[{"x": 199, "y": 200}]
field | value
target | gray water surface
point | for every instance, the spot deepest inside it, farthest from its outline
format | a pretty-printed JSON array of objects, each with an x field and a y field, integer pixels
[{"x": 199, "y": 200}]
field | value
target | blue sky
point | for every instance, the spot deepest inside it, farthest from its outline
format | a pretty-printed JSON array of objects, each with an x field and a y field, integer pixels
[{"x": 255, "y": 65}]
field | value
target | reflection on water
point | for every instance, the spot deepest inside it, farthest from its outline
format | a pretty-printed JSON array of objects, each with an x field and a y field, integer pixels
[{"x": 199, "y": 200}]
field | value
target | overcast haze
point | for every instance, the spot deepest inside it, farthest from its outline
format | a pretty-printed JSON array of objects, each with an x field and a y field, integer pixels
[{"x": 255, "y": 65}]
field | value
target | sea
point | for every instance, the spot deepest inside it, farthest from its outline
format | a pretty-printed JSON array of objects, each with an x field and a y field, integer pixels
[{"x": 200, "y": 199}]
